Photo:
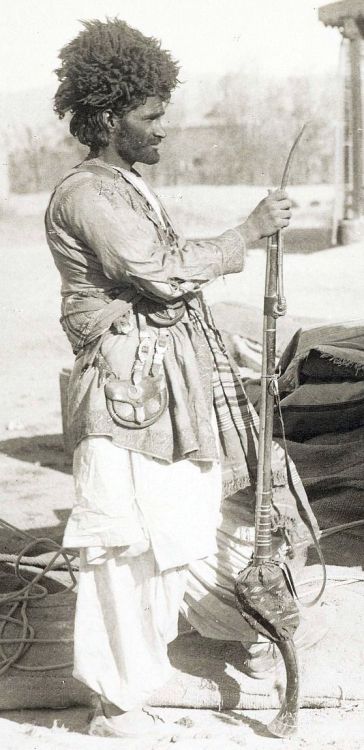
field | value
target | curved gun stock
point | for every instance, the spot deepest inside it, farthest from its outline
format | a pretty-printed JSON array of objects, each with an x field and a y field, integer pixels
[{"x": 285, "y": 723}]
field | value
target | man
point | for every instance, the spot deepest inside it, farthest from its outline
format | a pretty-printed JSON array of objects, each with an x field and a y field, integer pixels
[{"x": 161, "y": 426}]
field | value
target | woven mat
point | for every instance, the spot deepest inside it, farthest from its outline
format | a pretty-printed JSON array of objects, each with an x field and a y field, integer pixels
[{"x": 207, "y": 672}]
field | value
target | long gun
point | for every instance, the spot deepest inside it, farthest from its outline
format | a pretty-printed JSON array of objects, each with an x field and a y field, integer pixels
[{"x": 263, "y": 594}]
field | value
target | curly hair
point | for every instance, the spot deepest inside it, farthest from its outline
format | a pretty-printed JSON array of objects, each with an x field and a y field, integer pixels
[{"x": 110, "y": 65}]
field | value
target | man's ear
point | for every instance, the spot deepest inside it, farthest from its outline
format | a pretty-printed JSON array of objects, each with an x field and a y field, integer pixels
[{"x": 108, "y": 119}]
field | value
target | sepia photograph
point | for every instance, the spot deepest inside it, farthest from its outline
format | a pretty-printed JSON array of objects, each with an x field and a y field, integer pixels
[{"x": 182, "y": 375}]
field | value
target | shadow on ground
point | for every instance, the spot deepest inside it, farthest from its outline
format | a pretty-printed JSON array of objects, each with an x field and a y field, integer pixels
[
  {"x": 43, "y": 450},
  {"x": 14, "y": 540},
  {"x": 73, "y": 719}
]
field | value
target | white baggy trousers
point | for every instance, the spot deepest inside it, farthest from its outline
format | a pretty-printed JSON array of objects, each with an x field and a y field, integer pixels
[{"x": 177, "y": 551}]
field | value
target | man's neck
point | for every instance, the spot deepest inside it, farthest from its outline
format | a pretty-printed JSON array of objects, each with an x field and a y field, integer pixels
[{"x": 110, "y": 156}]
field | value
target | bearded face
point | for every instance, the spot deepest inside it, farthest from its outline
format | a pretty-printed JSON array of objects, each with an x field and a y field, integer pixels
[{"x": 137, "y": 135}]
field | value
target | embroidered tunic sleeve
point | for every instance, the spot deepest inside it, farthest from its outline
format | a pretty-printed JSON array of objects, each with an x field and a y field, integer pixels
[{"x": 95, "y": 213}]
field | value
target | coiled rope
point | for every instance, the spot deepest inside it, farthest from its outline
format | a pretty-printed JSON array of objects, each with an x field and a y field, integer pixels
[{"x": 16, "y": 602}]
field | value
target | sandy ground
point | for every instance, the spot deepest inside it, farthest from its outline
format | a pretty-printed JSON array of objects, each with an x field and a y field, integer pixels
[
  {"x": 213, "y": 730},
  {"x": 321, "y": 284}
]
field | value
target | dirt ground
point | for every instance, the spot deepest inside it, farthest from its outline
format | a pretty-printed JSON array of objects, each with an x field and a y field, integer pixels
[
  {"x": 321, "y": 729},
  {"x": 322, "y": 283}
]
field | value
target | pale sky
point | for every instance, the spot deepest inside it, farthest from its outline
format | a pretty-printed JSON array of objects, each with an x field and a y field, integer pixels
[{"x": 279, "y": 37}]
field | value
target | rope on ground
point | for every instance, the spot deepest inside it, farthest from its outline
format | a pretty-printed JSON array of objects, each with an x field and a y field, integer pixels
[{"x": 17, "y": 601}]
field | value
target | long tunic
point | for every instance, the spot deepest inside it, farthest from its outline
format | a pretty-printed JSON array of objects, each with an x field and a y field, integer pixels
[
  {"x": 106, "y": 241},
  {"x": 109, "y": 243}
]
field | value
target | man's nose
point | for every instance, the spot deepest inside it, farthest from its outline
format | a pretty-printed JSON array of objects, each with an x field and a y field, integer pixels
[{"x": 159, "y": 130}]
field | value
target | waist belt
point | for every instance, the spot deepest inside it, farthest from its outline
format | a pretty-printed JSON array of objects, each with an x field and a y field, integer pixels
[
  {"x": 112, "y": 313},
  {"x": 161, "y": 315}
]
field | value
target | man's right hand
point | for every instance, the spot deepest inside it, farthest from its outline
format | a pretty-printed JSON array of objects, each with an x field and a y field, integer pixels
[{"x": 270, "y": 215}]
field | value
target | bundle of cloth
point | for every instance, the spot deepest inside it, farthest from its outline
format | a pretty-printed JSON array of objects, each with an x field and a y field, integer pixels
[
  {"x": 321, "y": 387},
  {"x": 321, "y": 381}
]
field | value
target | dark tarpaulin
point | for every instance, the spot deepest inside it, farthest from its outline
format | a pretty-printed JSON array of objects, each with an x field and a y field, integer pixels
[{"x": 322, "y": 400}]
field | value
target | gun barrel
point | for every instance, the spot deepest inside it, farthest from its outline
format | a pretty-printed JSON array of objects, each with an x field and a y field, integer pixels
[{"x": 263, "y": 543}]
